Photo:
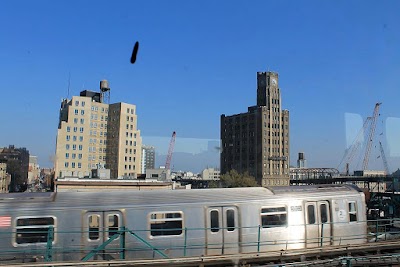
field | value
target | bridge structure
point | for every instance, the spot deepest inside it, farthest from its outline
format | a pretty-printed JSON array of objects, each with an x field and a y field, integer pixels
[{"x": 382, "y": 192}]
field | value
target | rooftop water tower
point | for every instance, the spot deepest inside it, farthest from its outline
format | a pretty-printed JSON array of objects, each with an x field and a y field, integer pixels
[
  {"x": 301, "y": 161},
  {"x": 105, "y": 92}
]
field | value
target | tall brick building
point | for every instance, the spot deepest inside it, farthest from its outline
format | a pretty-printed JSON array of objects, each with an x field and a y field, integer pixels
[{"x": 258, "y": 141}]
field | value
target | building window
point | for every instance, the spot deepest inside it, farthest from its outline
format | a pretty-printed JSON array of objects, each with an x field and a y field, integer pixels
[
  {"x": 166, "y": 224},
  {"x": 68, "y": 137},
  {"x": 79, "y": 156},
  {"x": 82, "y": 112},
  {"x": 33, "y": 230},
  {"x": 80, "y": 147},
  {"x": 67, "y": 155},
  {"x": 68, "y": 129},
  {"x": 73, "y": 164},
  {"x": 82, "y": 121},
  {"x": 83, "y": 103},
  {"x": 79, "y": 165},
  {"x": 74, "y": 138},
  {"x": 67, "y": 146},
  {"x": 66, "y": 164},
  {"x": 73, "y": 155},
  {"x": 74, "y": 147},
  {"x": 81, "y": 129},
  {"x": 75, "y": 120},
  {"x": 76, "y": 112},
  {"x": 273, "y": 217}
]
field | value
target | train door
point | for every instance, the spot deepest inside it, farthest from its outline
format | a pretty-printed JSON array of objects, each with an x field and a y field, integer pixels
[
  {"x": 318, "y": 224},
  {"x": 222, "y": 233},
  {"x": 98, "y": 227}
]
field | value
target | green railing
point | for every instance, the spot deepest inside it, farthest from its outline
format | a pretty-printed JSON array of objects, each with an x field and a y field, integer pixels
[{"x": 136, "y": 242}]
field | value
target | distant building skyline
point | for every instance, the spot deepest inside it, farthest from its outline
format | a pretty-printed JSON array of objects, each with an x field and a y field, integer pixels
[{"x": 337, "y": 59}]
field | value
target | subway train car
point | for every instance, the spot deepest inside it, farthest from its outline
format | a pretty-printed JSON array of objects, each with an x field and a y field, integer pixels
[{"x": 178, "y": 223}]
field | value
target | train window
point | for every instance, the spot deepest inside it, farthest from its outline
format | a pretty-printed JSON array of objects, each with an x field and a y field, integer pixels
[
  {"x": 33, "y": 230},
  {"x": 214, "y": 221},
  {"x": 324, "y": 213},
  {"x": 164, "y": 224},
  {"x": 273, "y": 217},
  {"x": 230, "y": 220},
  {"x": 94, "y": 227},
  {"x": 113, "y": 223},
  {"x": 353, "y": 211},
  {"x": 311, "y": 214}
]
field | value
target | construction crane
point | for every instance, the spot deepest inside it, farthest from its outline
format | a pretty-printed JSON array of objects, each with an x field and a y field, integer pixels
[
  {"x": 349, "y": 155},
  {"x": 371, "y": 135},
  {"x": 385, "y": 163},
  {"x": 170, "y": 151}
]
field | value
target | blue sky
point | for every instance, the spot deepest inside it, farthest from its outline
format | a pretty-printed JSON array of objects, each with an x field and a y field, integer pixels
[{"x": 198, "y": 60}]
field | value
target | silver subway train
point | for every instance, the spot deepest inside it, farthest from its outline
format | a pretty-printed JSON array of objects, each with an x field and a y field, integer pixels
[{"x": 178, "y": 223}]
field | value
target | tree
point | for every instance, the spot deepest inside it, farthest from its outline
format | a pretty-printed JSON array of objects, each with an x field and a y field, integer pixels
[{"x": 235, "y": 179}]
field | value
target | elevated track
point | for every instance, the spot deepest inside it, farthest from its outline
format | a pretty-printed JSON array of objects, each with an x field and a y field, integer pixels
[{"x": 369, "y": 254}]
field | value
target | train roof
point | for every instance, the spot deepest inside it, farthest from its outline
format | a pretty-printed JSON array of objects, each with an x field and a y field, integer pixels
[
  {"x": 301, "y": 189},
  {"x": 157, "y": 197}
]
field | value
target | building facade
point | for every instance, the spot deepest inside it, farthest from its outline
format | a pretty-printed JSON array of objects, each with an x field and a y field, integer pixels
[
  {"x": 33, "y": 170},
  {"x": 258, "y": 141},
  {"x": 210, "y": 174},
  {"x": 94, "y": 134},
  {"x": 5, "y": 178},
  {"x": 148, "y": 158},
  {"x": 17, "y": 160}
]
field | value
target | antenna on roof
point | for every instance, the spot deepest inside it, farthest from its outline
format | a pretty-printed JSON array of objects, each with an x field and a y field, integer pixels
[{"x": 69, "y": 83}]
